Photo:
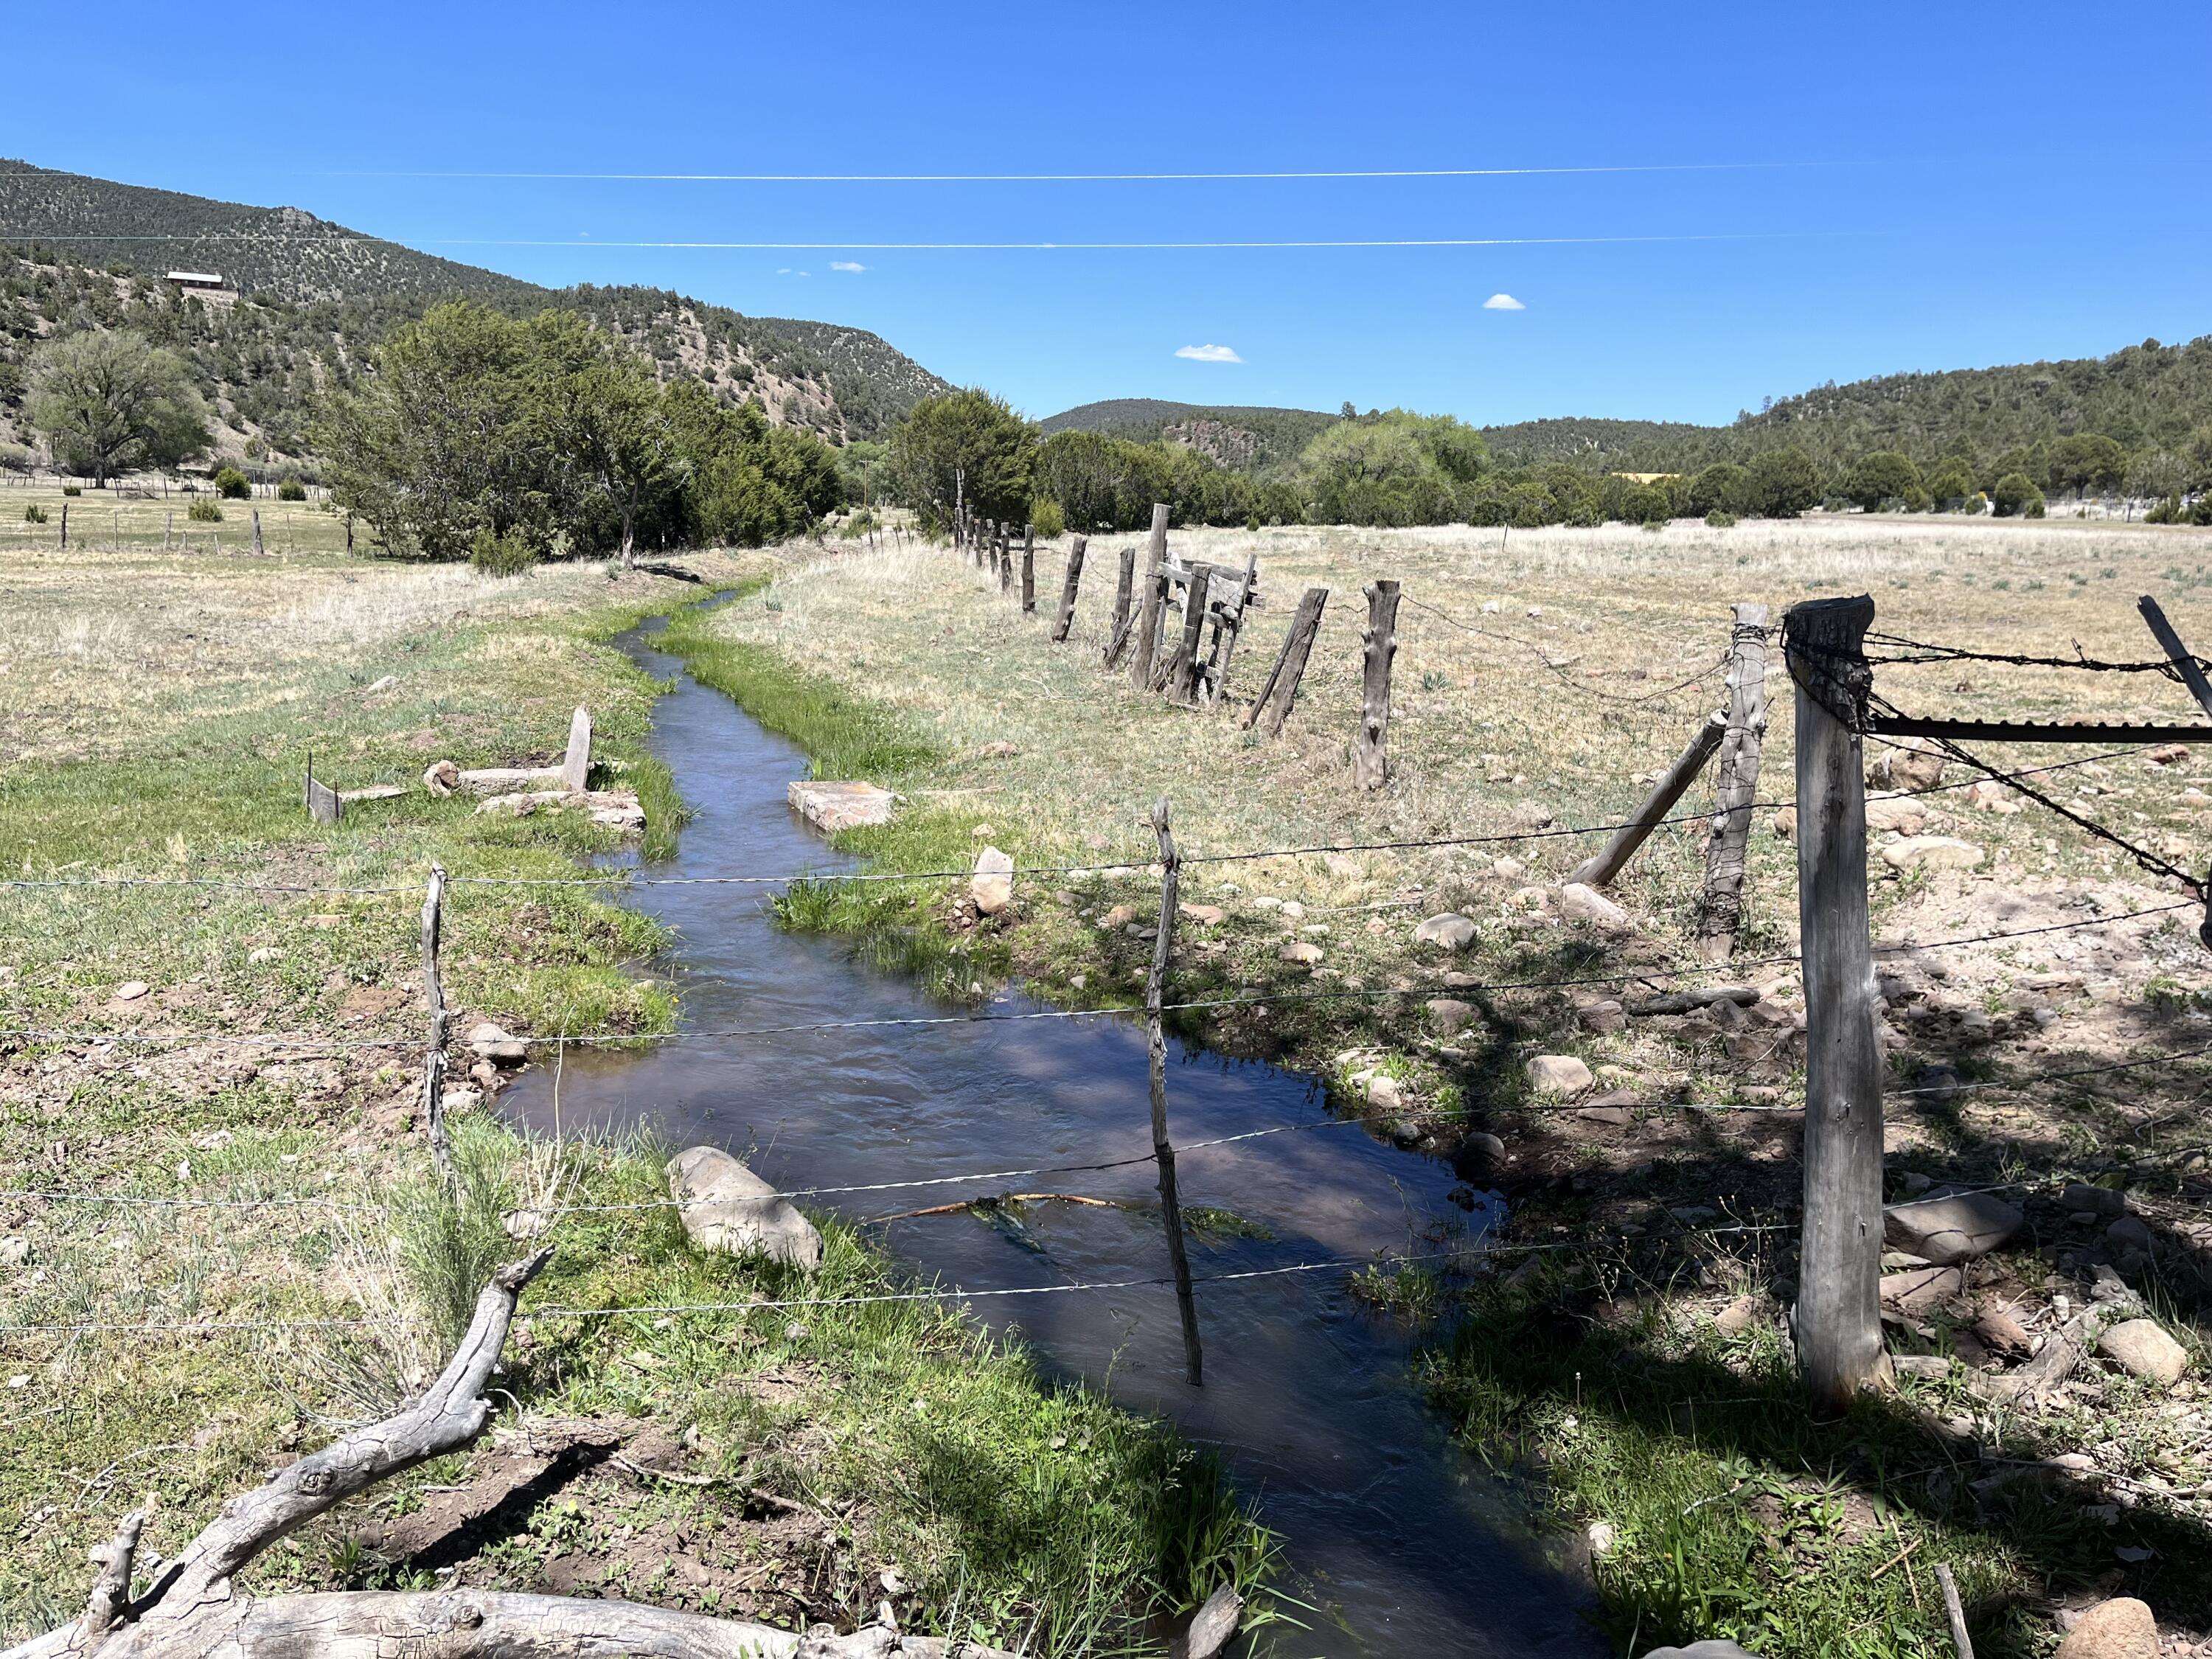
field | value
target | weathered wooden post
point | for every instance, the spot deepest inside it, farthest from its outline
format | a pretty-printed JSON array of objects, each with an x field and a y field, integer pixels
[
  {"x": 1182, "y": 687},
  {"x": 1157, "y": 1045},
  {"x": 959, "y": 506},
  {"x": 1281, "y": 687},
  {"x": 1602, "y": 866},
  {"x": 323, "y": 806},
  {"x": 64, "y": 521},
  {"x": 1068, "y": 585},
  {"x": 349, "y": 532},
  {"x": 2183, "y": 661},
  {"x": 1118, "y": 636},
  {"x": 1148, "y": 601},
  {"x": 441, "y": 1027},
  {"x": 1028, "y": 570},
  {"x": 168, "y": 529},
  {"x": 1720, "y": 913},
  {"x": 257, "y": 532},
  {"x": 1370, "y": 755},
  {"x": 1006, "y": 556},
  {"x": 1838, "y": 1314}
]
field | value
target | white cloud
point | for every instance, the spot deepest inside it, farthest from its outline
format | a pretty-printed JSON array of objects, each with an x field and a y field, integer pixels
[
  {"x": 853, "y": 265},
  {"x": 1209, "y": 353},
  {"x": 1503, "y": 302}
]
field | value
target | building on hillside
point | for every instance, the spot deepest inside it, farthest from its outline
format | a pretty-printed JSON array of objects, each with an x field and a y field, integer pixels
[{"x": 202, "y": 284}]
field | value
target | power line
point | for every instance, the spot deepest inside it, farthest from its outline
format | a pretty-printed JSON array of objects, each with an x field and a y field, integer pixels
[
  {"x": 1070, "y": 177},
  {"x": 1215, "y": 245}
]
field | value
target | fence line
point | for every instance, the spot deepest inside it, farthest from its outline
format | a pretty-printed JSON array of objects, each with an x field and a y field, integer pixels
[{"x": 626, "y": 878}]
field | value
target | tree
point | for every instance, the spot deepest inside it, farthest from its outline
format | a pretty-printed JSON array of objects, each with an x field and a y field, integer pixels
[
  {"x": 2088, "y": 463},
  {"x": 2016, "y": 496},
  {"x": 1723, "y": 486},
  {"x": 597, "y": 406},
  {"x": 1884, "y": 476},
  {"x": 965, "y": 444},
  {"x": 1781, "y": 483},
  {"x": 1951, "y": 483},
  {"x": 108, "y": 401},
  {"x": 1396, "y": 468}
]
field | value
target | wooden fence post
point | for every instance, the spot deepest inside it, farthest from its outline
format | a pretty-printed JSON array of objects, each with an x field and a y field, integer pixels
[
  {"x": 441, "y": 1027},
  {"x": 1028, "y": 570},
  {"x": 1068, "y": 585},
  {"x": 1838, "y": 1314},
  {"x": 1281, "y": 687},
  {"x": 1006, "y": 557},
  {"x": 2183, "y": 661},
  {"x": 1156, "y": 1044},
  {"x": 257, "y": 532},
  {"x": 168, "y": 529},
  {"x": 1371, "y": 754},
  {"x": 1182, "y": 682},
  {"x": 1720, "y": 913},
  {"x": 1602, "y": 866},
  {"x": 65, "y": 523},
  {"x": 1148, "y": 602},
  {"x": 1119, "y": 635}
]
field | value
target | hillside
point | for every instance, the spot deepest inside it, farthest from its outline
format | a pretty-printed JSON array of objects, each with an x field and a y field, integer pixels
[
  {"x": 312, "y": 297},
  {"x": 1248, "y": 439}
]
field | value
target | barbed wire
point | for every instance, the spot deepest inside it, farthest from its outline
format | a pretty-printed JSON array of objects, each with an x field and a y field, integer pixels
[
  {"x": 1578, "y": 683},
  {"x": 1931, "y": 653}
]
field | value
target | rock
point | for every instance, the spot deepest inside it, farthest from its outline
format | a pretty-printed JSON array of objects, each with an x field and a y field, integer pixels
[
  {"x": 1998, "y": 1330},
  {"x": 1613, "y": 1117},
  {"x": 1206, "y": 915},
  {"x": 1488, "y": 1145},
  {"x": 725, "y": 1207},
  {"x": 1119, "y": 916},
  {"x": 508, "y": 780},
  {"x": 1490, "y": 607},
  {"x": 391, "y": 680},
  {"x": 1928, "y": 1367},
  {"x": 131, "y": 990},
  {"x": 1737, "y": 1317},
  {"x": 982, "y": 832},
  {"x": 1716, "y": 1649},
  {"x": 1603, "y": 1017},
  {"x": 992, "y": 886},
  {"x": 1292, "y": 910},
  {"x": 617, "y": 809},
  {"x": 1990, "y": 796},
  {"x": 1449, "y": 1015},
  {"x": 2121, "y": 1628},
  {"x": 2129, "y": 1232},
  {"x": 373, "y": 792},
  {"x": 1300, "y": 949},
  {"x": 1509, "y": 869},
  {"x": 1905, "y": 769},
  {"x": 442, "y": 778},
  {"x": 1559, "y": 1075},
  {"x": 1210, "y": 1631},
  {"x": 1785, "y": 822},
  {"x": 1385, "y": 1092},
  {"x": 497, "y": 1045},
  {"x": 1950, "y": 1227},
  {"x": 1532, "y": 815},
  {"x": 2141, "y": 1347},
  {"x": 2171, "y": 754},
  {"x": 998, "y": 749},
  {"x": 1449, "y": 932},
  {"x": 1602, "y": 1536},
  {"x": 1343, "y": 866},
  {"x": 461, "y": 1099},
  {"x": 1580, "y": 903},
  {"x": 1920, "y": 1290},
  {"x": 14, "y": 1250},
  {"x": 1937, "y": 1085},
  {"x": 1902, "y": 813},
  {"x": 263, "y": 954},
  {"x": 831, "y": 806},
  {"x": 1932, "y": 853}
]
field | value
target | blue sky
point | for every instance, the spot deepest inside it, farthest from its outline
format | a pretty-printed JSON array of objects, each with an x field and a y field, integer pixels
[{"x": 1823, "y": 192}]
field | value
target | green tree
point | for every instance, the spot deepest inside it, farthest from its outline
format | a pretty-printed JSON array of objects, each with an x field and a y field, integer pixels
[
  {"x": 1951, "y": 483},
  {"x": 2086, "y": 462},
  {"x": 1396, "y": 468},
  {"x": 1781, "y": 483},
  {"x": 597, "y": 405},
  {"x": 2016, "y": 496},
  {"x": 1884, "y": 476},
  {"x": 108, "y": 401},
  {"x": 1723, "y": 486},
  {"x": 968, "y": 444}
]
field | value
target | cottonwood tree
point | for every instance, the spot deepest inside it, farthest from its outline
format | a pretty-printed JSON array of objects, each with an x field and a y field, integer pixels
[{"x": 108, "y": 401}]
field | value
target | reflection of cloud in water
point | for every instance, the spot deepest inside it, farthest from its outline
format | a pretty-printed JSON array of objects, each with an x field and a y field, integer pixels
[{"x": 1400, "y": 1537}]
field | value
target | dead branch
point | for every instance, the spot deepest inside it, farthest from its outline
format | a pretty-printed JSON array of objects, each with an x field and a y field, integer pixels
[
  {"x": 193, "y": 1612},
  {"x": 999, "y": 1200}
]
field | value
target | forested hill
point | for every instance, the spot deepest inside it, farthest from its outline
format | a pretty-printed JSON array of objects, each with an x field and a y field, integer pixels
[
  {"x": 1247, "y": 438},
  {"x": 313, "y": 296}
]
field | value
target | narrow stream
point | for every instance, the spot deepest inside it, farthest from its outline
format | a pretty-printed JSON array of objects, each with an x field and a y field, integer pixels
[{"x": 1402, "y": 1544}]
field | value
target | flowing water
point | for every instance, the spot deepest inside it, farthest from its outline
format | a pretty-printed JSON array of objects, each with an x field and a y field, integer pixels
[{"x": 1401, "y": 1544}]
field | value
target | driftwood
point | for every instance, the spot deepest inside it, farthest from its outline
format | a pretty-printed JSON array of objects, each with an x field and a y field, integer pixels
[{"x": 194, "y": 1611}]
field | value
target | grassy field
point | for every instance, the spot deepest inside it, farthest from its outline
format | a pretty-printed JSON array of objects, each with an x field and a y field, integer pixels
[
  {"x": 141, "y": 516},
  {"x": 1541, "y": 679},
  {"x": 158, "y": 711}
]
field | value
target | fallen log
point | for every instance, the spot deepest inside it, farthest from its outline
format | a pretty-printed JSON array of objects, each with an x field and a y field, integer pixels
[{"x": 194, "y": 1610}]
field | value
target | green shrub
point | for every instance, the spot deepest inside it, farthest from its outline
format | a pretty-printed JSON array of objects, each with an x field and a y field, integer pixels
[
  {"x": 1917, "y": 499},
  {"x": 231, "y": 484},
  {"x": 1046, "y": 517},
  {"x": 72, "y": 489},
  {"x": 34, "y": 514},
  {"x": 511, "y": 555},
  {"x": 2016, "y": 497},
  {"x": 1974, "y": 503},
  {"x": 1720, "y": 519},
  {"x": 2166, "y": 511},
  {"x": 203, "y": 512},
  {"x": 291, "y": 490}
]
